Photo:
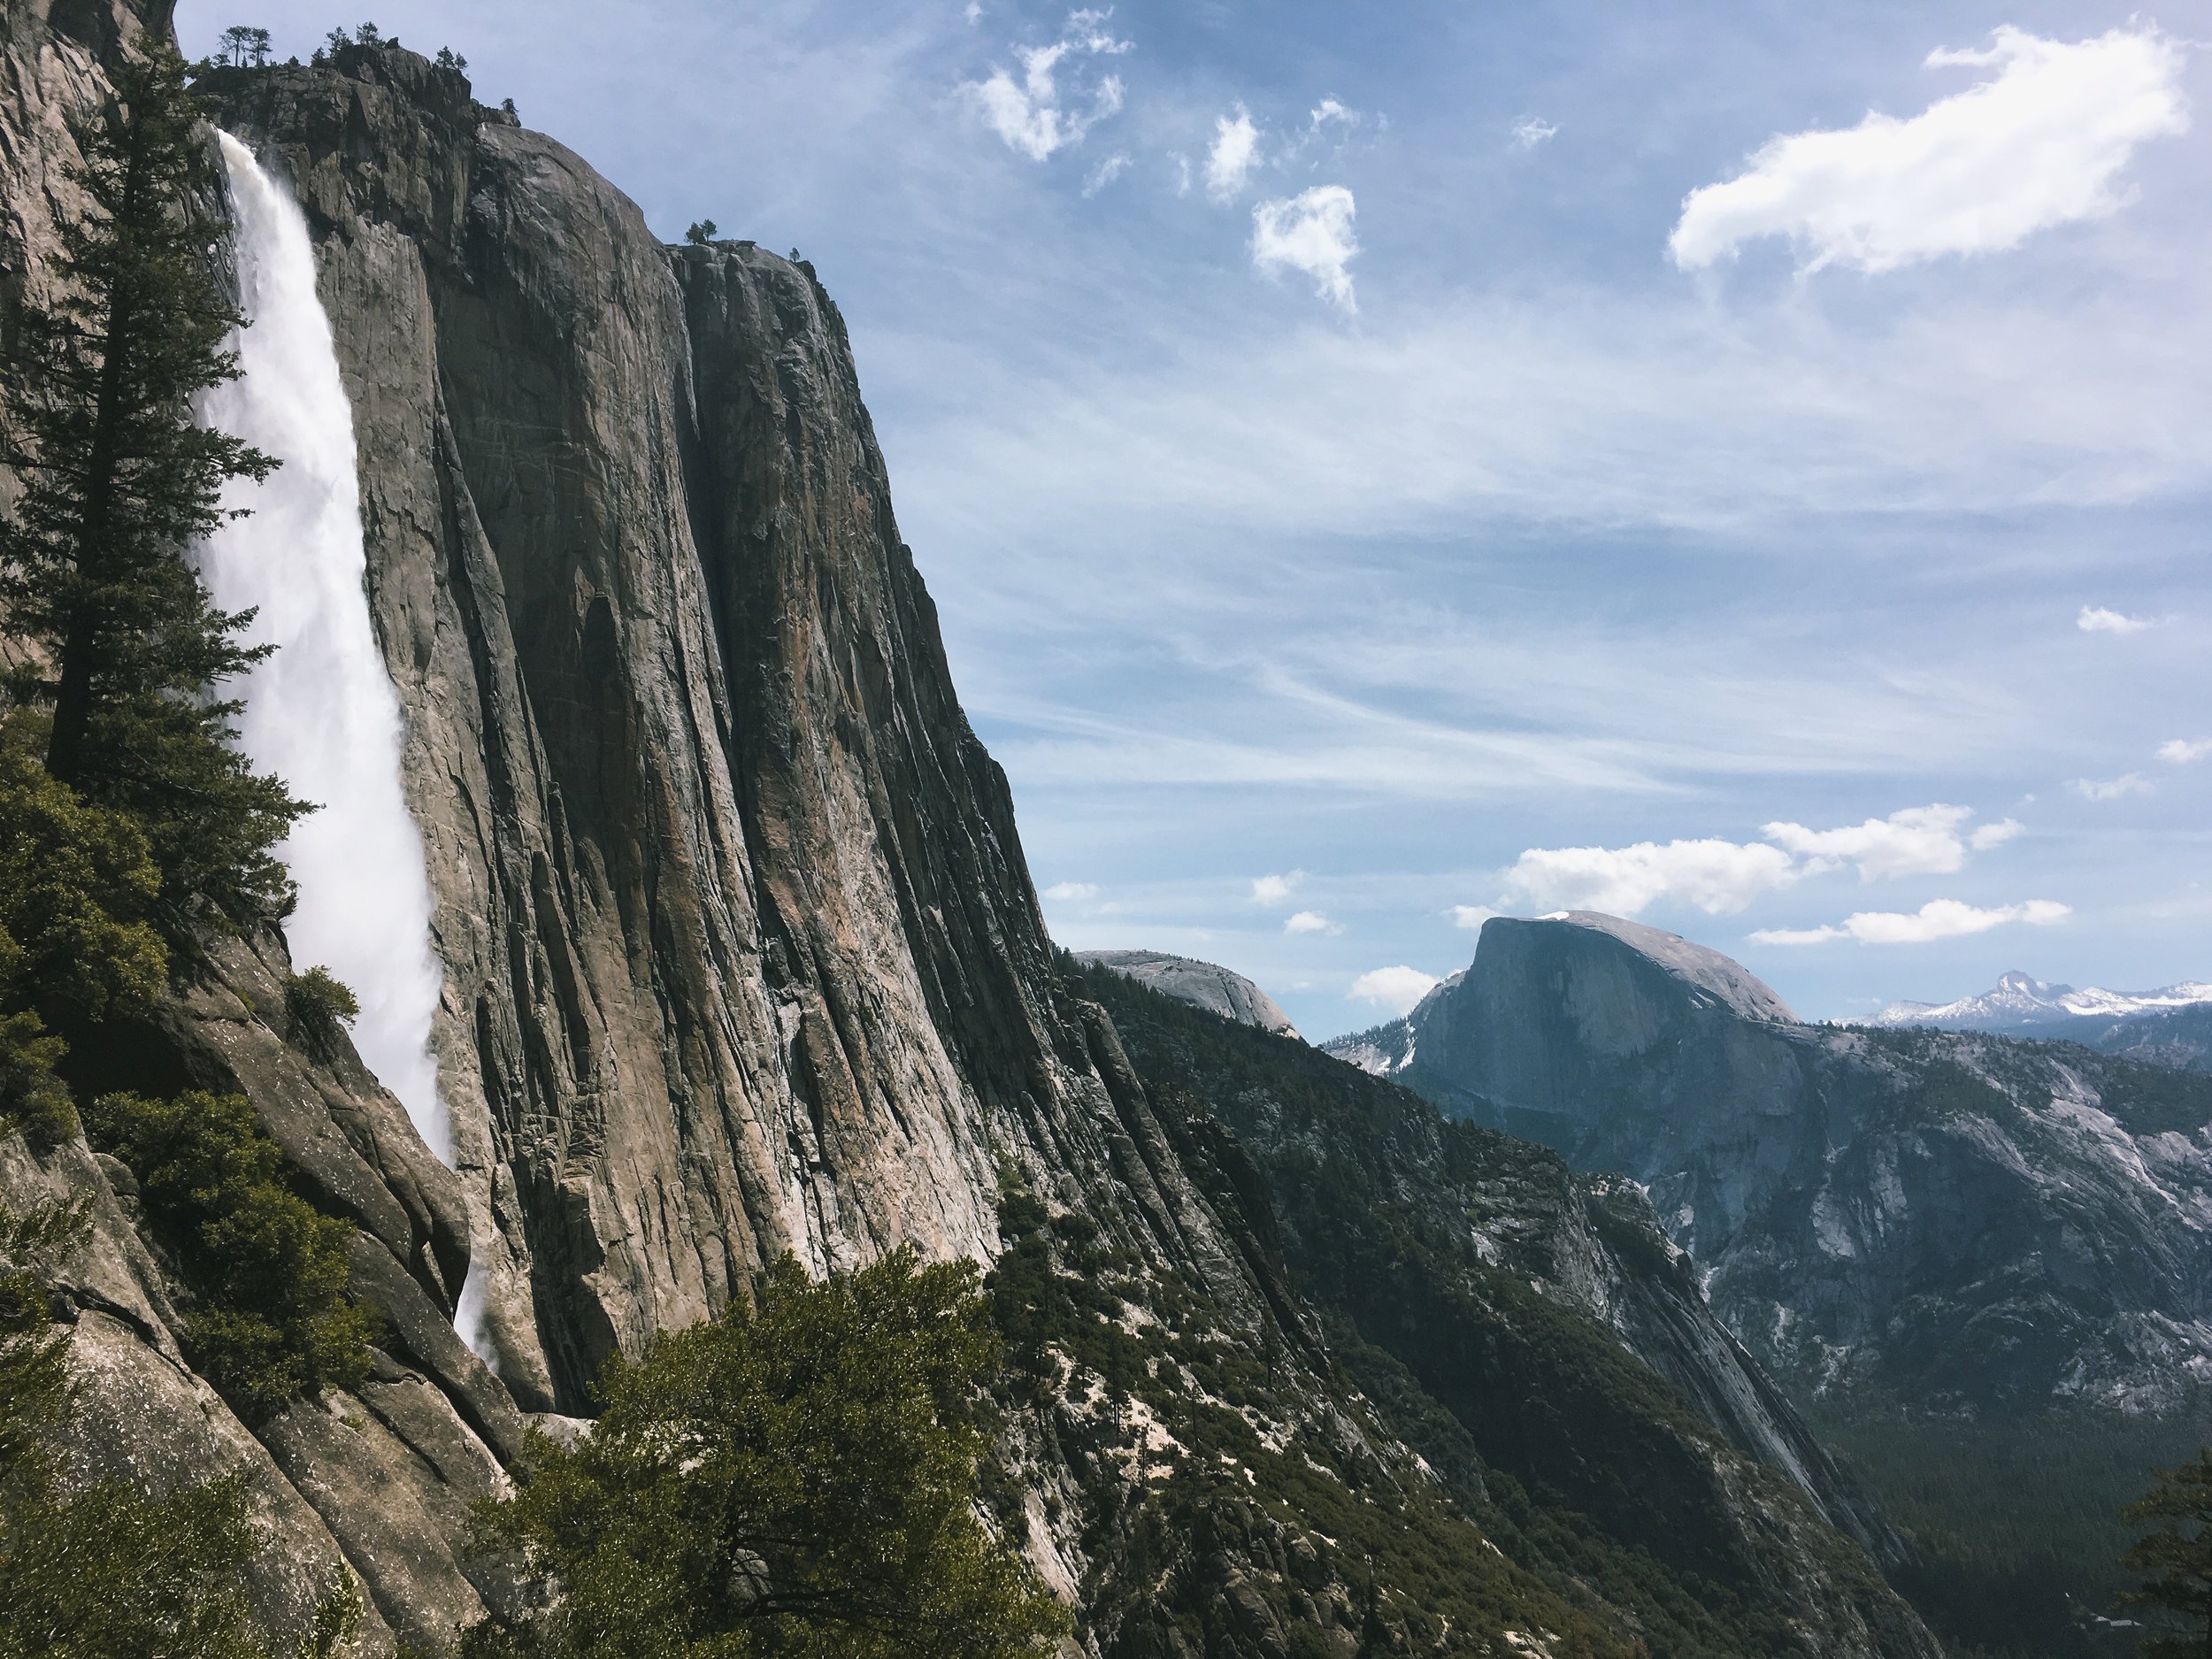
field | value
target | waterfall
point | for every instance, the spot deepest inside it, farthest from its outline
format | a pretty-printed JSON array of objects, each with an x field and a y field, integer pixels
[{"x": 321, "y": 712}]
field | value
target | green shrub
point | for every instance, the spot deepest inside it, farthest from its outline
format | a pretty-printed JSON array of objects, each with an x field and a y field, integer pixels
[
  {"x": 796, "y": 1478},
  {"x": 107, "y": 1572},
  {"x": 268, "y": 1271},
  {"x": 317, "y": 1002}
]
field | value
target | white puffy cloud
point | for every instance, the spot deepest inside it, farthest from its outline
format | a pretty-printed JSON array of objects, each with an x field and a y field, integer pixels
[
  {"x": 1028, "y": 112},
  {"x": 2182, "y": 751},
  {"x": 2097, "y": 619},
  {"x": 1309, "y": 232},
  {"x": 1234, "y": 152},
  {"x": 1717, "y": 876},
  {"x": 2112, "y": 789},
  {"x": 1397, "y": 989},
  {"x": 1721, "y": 877},
  {"x": 1921, "y": 840},
  {"x": 1310, "y": 922},
  {"x": 1532, "y": 130},
  {"x": 1274, "y": 890},
  {"x": 1938, "y": 919},
  {"x": 1471, "y": 917},
  {"x": 1069, "y": 891},
  {"x": 2036, "y": 142}
]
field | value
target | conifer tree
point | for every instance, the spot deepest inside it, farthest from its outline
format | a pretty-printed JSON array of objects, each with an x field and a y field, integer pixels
[
  {"x": 792, "y": 1480},
  {"x": 118, "y": 484},
  {"x": 2181, "y": 1561}
]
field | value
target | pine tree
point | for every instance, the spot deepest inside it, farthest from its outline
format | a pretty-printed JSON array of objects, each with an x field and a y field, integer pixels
[
  {"x": 118, "y": 484},
  {"x": 2180, "y": 1561}
]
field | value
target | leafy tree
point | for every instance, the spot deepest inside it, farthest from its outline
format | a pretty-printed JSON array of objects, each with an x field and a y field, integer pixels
[
  {"x": 797, "y": 1479},
  {"x": 76, "y": 883},
  {"x": 701, "y": 232},
  {"x": 269, "y": 1272},
  {"x": 119, "y": 482},
  {"x": 2180, "y": 1562},
  {"x": 447, "y": 58}
]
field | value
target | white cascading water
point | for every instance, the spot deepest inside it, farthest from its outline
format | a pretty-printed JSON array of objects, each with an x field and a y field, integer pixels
[{"x": 321, "y": 712}]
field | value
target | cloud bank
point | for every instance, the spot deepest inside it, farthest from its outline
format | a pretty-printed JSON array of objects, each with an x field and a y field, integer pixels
[
  {"x": 1723, "y": 877},
  {"x": 2037, "y": 143},
  {"x": 1938, "y": 919}
]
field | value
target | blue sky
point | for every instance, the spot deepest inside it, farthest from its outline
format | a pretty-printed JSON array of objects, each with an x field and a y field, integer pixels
[{"x": 1745, "y": 466}]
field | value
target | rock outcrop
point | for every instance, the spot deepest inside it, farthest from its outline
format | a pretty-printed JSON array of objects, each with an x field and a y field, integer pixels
[
  {"x": 1966, "y": 1220},
  {"x": 1201, "y": 984},
  {"x": 742, "y": 956}
]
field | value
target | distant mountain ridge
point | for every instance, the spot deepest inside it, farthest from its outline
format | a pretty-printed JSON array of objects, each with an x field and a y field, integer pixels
[
  {"x": 2020, "y": 1005},
  {"x": 1975, "y": 1222}
]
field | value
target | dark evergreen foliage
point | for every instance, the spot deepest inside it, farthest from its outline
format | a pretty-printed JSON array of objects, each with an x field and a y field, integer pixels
[
  {"x": 798, "y": 1478},
  {"x": 118, "y": 483},
  {"x": 76, "y": 883},
  {"x": 2178, "y": 1557},
  {"x": 103, "y": 1570},
  {"x": 273, "y": 1321},
  {"x": 1576, "y": 1459}
]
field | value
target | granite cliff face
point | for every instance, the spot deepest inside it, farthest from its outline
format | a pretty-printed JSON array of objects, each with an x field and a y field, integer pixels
[
  {"x": 1201, "y": 984},
  {"x": 742, "y": 956},
  {"x": 1965, "y": 1220}
]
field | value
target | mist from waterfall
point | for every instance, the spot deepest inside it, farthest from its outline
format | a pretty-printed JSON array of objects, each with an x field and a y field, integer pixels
[{"x": 321, "y": 712}]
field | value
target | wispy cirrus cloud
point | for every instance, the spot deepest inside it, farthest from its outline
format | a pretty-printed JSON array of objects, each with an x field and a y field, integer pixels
[
  {"x": 2039, "y": 141},
  {"x": 2112, "y": 789},
  {"x": 1938, "y": 919}
]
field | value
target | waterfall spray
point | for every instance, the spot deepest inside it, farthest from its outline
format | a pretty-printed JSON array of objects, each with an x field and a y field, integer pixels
[{"x": 321, "y": 712}]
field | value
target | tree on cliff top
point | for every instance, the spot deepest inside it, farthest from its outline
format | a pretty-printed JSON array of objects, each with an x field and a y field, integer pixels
[
  {"x": 2180, "y": 1562},
  {"x": 118, "y": 484},
  {"x": 798, "y": 1478}
]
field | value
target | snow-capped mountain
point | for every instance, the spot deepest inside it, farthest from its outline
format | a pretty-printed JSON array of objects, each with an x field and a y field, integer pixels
[{"x": 2019, "y": 1004}]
